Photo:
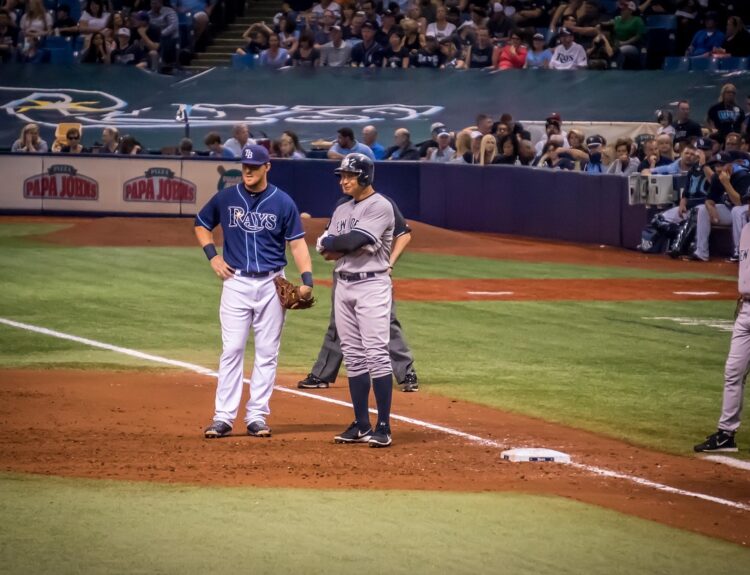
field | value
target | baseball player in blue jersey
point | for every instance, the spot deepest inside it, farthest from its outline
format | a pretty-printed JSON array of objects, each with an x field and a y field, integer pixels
[
  {"x": 359, "y": 238},
  {"x": 257, "y": 219}
]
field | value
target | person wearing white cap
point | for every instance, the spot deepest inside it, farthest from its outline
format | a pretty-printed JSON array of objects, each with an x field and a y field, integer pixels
[
  {"x": 443, "y": 153},
  {"x": 124, "y": 52},
  {"x": 335, "y": 53}
]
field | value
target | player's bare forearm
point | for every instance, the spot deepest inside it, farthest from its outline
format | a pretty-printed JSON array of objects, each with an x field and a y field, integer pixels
[
  {"x": 399, "y": 245},
  {"x": 301, "y": 255},
  {"x": 204, "y": 236}
]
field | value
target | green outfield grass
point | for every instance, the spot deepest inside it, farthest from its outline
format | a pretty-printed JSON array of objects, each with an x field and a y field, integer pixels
[
  {"x": 595, "y": 365},
  {"x": 65, "y": 526}
]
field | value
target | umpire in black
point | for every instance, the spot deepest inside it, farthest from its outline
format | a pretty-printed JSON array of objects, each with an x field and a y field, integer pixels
[{"x": 329, "y": 360}]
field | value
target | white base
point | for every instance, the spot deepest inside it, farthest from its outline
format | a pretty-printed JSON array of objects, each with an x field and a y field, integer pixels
[{"x": 535, "y": 454}]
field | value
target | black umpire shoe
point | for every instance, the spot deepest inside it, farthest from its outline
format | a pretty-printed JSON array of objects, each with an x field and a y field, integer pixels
[
  {"x": 354, "y": 434},
  {"x": 381, "y": 437},
  {"x": 410, "y": 382},
  {"x": 217, "y": 429},
  {"x": 312, "y": 382},
  {"x": 719, "y": 441},
  {"x": 734, "y": 258}
]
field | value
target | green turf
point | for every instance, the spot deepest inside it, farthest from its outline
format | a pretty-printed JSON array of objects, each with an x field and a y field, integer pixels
[
  {"x": 598, "y": 366},
  {"x": 71, "y": 526},
  {"x": 421, "y": 265}
]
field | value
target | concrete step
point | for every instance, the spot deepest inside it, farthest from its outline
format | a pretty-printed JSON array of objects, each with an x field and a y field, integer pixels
[
  {"x": 226, "y": 41},
  {"x": 207, "y": 61},
  {"x": 222, "y": 50}
]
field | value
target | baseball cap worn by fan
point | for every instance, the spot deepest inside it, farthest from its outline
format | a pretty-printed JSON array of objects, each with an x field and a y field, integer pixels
[
  {"x": 255, "y": 155},
  {"x": 564, "y": 32},
  {"x": 442, "y": 133},
  {"x": 124, "y": 32},
  {"x": 595, "y": 140},
  {"x": 436, "y": 126},
  {"x": 703, "y": 144}
]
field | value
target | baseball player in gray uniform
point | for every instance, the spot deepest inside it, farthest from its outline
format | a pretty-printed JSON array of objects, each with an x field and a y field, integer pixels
[
  {"x": 359, "y": 238},
  {"x": 738, "y": 361},
  {"x": 329, "y": 360}
]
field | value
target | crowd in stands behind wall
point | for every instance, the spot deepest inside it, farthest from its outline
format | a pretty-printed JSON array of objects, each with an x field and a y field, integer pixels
[
  {"x": 724, "y": 127},
  {"x": 441, "y": 34}
]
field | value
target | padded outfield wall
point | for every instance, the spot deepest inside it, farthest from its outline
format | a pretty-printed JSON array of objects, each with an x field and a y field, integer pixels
[{"x": 498, "y": 199}]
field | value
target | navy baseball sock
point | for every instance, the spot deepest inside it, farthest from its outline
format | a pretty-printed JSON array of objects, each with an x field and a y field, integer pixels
[
  {"x": 359, "y": 389},
  {"x": 383, "y": 388}
]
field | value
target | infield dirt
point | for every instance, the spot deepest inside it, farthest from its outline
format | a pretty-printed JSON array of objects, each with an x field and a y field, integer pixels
[{"x": 147, "y": 426}]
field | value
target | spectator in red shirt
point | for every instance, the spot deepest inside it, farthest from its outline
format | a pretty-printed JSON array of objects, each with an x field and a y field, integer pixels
[{"x": 512, "y": 56}]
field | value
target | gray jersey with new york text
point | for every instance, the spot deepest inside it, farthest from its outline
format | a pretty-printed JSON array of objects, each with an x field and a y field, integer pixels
[{"x": 373, "y": 217}]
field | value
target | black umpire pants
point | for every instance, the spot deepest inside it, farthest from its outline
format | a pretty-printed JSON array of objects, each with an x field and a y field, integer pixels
[{"x": 330, "y": 357}]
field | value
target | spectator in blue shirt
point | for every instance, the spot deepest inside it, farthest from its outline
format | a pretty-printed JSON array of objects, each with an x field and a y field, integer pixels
[
  {"x": 681, "y": 166},
  {"x": 216, "y": 150},
  {"x": 370, "y": 139},
  {"x": 346, "y": 144},
  {"x": 705, "y": 41}
]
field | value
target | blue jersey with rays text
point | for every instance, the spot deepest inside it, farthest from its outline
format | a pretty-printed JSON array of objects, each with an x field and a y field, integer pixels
[{"x": 256, "y": 226}]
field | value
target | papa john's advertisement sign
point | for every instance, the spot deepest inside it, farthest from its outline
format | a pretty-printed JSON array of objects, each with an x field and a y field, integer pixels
[
  {"x": 159, "y": 185},
  {"x": 61, "y": 182}
]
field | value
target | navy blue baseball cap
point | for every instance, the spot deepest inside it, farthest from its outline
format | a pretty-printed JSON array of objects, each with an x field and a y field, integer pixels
[
  {"x": 703, "y": 144},
  {"x": 254, "y": 155}
]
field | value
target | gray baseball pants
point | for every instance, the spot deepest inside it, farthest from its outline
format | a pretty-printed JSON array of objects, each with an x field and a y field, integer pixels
[
  {"x": 703, "y": 228},
  {"x": 739, "y": 219},
  {"x": 363, "y": 317},
  {"x": 330, "y": 357},
  {"x": 735, "y": 371}
]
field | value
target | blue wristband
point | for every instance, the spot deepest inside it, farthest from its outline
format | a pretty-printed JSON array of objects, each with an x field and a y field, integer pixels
[
  {"x": 307, "y": 279},
  {"x": 210, "y": 251}
]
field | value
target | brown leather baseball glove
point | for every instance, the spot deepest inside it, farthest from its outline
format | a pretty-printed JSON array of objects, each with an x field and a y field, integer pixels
[{"x": 290, "y": 296}]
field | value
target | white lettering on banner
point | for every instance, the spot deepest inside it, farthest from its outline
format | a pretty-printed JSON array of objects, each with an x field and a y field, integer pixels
[
  {"x": 61, "y": 182},
  {"x": 48, "y": 107},
  {"x": 252, "y": 222},
  {"x": 161, "y": 186}
]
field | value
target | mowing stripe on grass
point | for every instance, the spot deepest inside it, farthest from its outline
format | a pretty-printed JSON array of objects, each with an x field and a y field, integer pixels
[{"x": 417, "y": 422}]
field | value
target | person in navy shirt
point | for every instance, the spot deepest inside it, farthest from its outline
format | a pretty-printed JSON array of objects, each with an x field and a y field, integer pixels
[{"x": 257, "y": 219}]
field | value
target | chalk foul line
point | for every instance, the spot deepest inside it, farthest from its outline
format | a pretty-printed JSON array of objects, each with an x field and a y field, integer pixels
[{"x": 601, "y": 471}]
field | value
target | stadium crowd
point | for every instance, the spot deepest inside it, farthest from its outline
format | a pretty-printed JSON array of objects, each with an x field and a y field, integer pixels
[
  {"x": 486, "y": 34},
  {"x": 452, "y": 34},
  {"x": 665, "y": 150}
]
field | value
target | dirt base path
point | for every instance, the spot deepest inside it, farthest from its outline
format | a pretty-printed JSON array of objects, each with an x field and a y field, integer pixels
[
  {"x": 426, "y": 238},
  {"x": 625, "y": 289},
  {"x": 148, "y": 427}
]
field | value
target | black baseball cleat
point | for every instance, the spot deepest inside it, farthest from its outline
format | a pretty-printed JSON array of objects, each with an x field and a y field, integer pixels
[
  {"x": 217, "y": 429},
  {"x": 734, "y": 258},
  {"x": 381, "y": 437},
  {"x": 410, "y": 382},
  {"x": 312, "y": 382},
  {"x": 354, "y": 434},
  {"x": 719, "y": 441},
  {"x": 258, "y": 429},
  {"x": 693, "y": 257}
]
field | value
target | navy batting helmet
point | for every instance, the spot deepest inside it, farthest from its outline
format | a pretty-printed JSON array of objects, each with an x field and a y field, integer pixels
[{"x": 358, "y": 164}]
